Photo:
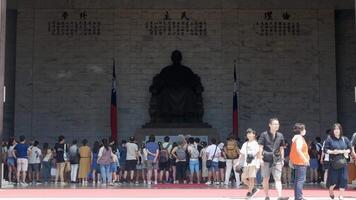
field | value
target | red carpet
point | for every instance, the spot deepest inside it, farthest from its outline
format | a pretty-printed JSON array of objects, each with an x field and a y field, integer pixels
[
  {"x": 152, "y": 193},
  {"x": 180, "y": 186}
]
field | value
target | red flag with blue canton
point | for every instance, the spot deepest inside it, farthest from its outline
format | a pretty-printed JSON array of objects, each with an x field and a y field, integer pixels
[
  {"x": 235, "y": 120},
  {"x": 113, "y": 115}
]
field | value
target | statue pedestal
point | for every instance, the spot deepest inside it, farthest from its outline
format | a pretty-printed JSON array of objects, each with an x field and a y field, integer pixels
[{"x": 203, "y": 133}]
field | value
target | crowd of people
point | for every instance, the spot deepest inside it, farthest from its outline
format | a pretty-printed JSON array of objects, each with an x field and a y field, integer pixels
[{"x": 189, "y": 161}]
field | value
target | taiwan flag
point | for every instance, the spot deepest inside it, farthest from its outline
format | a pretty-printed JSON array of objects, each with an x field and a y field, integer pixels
[
  {"x": 113, "y": 115},
  {"x": 235, "y": 120}
]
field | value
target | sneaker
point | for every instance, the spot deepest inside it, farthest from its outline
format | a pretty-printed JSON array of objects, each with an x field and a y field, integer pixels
[
  {"x": 283, "y": 198},
  {"x": 63, "y": 183},
  {"x": 23, "y": 184},
  {"x": 226, "y": 183},
  {"x": 156, "y": 182},
  {"x": 149, "y": 183},
  {"x": 217, "y": 183},
  {"x": 208, "y": 183},
  {"x": 249, "y": 194},
  {"x": 111, "y": 184},
  {"x": 254, "y": 192}
]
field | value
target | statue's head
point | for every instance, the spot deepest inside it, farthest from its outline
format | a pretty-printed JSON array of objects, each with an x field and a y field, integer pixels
[{"x": 176, "y": 57}]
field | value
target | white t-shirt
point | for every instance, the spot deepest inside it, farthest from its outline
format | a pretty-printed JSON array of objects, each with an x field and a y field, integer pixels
[
  {"x": 210, "y": 152},
  {"x": 250, "y": 148},
  {"x": 132, "y": 150},
  {"x": 326, "y": 155},
  {"x": 35, "y": 155}
]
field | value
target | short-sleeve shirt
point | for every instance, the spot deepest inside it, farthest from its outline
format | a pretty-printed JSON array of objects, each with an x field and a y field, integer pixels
[
  {"x": 210, "y": 151},
  {"x": 21, "y": 150},
  {"x": 35, "y": 156},
  {"x": 59, "y": 148},
  {"x": 132, "y": 150},
  {"x": 271, "y": 144},
  {"x": 151, "y": 147},
  {"x": 333, "y": 143}
]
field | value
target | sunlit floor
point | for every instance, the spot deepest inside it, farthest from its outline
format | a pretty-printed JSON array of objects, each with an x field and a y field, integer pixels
[{"x": 166, "y": 191}]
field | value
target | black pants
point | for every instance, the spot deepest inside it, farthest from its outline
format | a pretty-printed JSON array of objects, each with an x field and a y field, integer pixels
[{"x": 181, "y": 170}]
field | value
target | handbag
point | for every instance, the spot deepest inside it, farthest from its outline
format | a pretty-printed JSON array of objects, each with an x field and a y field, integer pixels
[
  {"x": 209, "y": 163},
  {"x": 339, "y": 161}
]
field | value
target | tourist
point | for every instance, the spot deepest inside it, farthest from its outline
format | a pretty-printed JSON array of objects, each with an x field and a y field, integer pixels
[
  {"x": 104, "y": 160},
  {"x": 131, "y": 159},
  {"x": 287, "y": 170},
  {"x": 34, "y": 161},
  {"x": 213, "y": 153},
  {"x": 272, "y": 157},
  {"x": 338, "y": 147},
  {"x": 10, "y": 160},
  {"x": 74, "y": 161},
  {"x": 94, "y": 163},
  {"x": 193, "y": 160},
  {"x": 46, "y": 163},
  {"x": 204, "y": 169},
  {"x": 222, "y": 163},
  {"x": 325, "y": 160},
  {"x": 60, "y": 150},
  {"x": 314, "y": 162},
  {"x": 232, "y": 153},
  {"x": 164, "y": 159},
  {"x": 179, "y": 152},
  {"x": 21, "y": 155},
  {"x": 84, "y": 162},
  {"x": 152, "y": 159},
  {"x": 300, "y": 159},
  {"x": 250, "y": 163}
]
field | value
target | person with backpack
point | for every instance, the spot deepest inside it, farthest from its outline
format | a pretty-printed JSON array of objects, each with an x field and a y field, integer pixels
[
  {"x": 338, "y": 147},
  {"x": 163, "y": 158},
  {"x": 232, "y": 153},
  {"x": 179, "y": 152},
  {"x": 193, "y": 160},
  {"x": 74, "y": 161}
]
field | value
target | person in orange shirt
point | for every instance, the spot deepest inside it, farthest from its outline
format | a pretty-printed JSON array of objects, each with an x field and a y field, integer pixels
[{"x": 300, "y": 159}]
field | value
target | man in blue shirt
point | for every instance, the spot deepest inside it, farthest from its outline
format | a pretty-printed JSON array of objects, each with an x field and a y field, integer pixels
[
  {"x": 152, "y": 155},
  {"x": 21, "y": 153}
]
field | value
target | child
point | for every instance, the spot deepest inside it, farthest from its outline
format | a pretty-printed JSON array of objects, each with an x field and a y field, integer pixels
[{"x": 248, "y": 156}]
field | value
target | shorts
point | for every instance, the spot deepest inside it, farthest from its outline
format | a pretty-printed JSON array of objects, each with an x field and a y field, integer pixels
[
  {"x": 275, "y": 169},
  {"x": 194, "y": 166},
  {"x": 214, "y": 167},
  {"x": 173, "y": 161},
  {"x": 249, "y": 172},
  {"x": 22, "y": 164},
  {"x": 164, "y": 166},
  {"x": 113, "y": 167},
  {"x": 152, "y": 165},
  {"x": 130, "y": 165},
  {"x": 11, "y": 161},
  {"x": 222, "y": 165},
  {"x": 34, "y": 167}
]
